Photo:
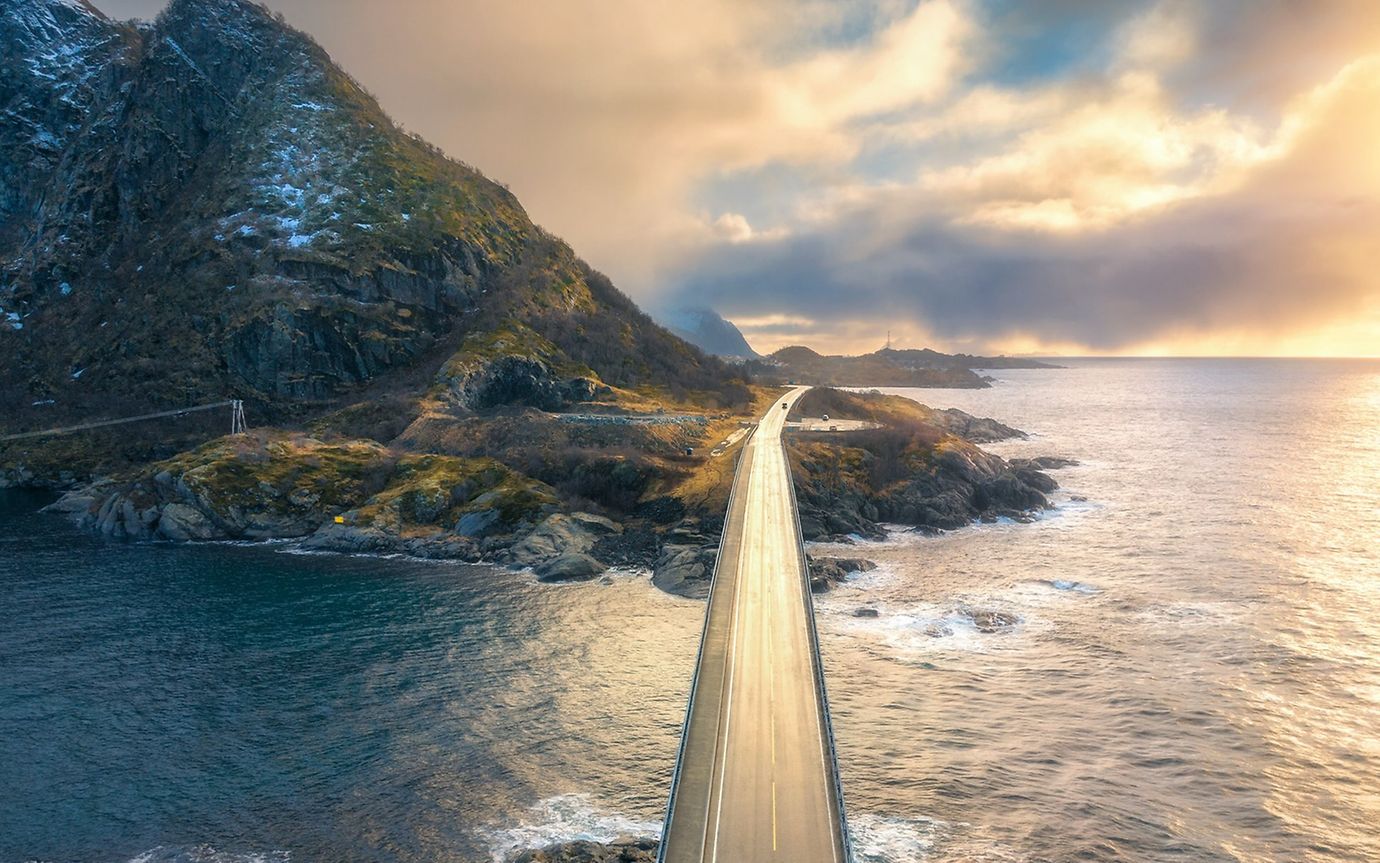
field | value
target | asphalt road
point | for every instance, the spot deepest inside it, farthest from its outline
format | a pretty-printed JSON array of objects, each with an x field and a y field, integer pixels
[{"x": 756, "y": 779}]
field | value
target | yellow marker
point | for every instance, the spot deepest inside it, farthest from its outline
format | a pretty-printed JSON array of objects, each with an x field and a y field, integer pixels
[
  {"x": 773, "y": 815},
  {"x": 340, "y": 519}
]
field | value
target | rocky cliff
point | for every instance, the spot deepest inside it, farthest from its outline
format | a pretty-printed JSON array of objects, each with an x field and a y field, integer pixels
[{"x": 207, "y": 205}]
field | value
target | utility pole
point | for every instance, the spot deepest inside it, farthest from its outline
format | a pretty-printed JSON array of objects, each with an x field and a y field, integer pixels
[
  {"x": 237, "y": 423},
  {"x": 888, "y": 339}
]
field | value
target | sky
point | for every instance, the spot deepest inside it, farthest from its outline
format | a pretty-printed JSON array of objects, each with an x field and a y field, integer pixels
[{"x": 1065, "y": 176}]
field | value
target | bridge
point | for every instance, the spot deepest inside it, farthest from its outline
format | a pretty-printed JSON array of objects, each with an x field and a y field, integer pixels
[
  {"x": 756, "y": 778},
  {"x": 237, "y": 421}
]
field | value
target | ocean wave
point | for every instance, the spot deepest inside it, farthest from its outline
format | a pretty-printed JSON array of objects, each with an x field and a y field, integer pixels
[
  {"x": 890, "y": 839},
  {"x": 207, "y": 854},
  {"x": 1045, "y": 590},
  {"x": 885, "y": 574},
  {"x": 563, "y": 818},
  {"x": 299, "y": 551},
  {"x": 1190, "y": 614},
  {"x": 897, "y": 536},
  {"x": 964, "y": 626}
]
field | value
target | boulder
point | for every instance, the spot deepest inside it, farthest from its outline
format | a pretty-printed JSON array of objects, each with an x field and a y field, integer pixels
[
  {"x": 182, "y": 523},
  {"x": 685, "y": 570},
  {"x": 1041, "y": 482},
  {"x": 569, "y": 567},
  {"x": 349, "y": 539},
  {"x": 559, "y": 534},
  {"x": 78, "y": 502},
  {"x": 866, "y": 612},
  {"x": 826, "y": 572},
  {"x": 596, "y": 524},
  {"x": 988, "y": 620},
  {"x": 478, "y": 524}
]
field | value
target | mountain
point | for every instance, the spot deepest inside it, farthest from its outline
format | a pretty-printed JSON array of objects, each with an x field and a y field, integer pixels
[
  {"x": 207, "y": 206},
  {"x": 708, "y": 331}
]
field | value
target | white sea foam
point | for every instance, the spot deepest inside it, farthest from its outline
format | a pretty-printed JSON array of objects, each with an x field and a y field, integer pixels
[
  {"x": 294, "y": 547},
  {"x": 628, "y": 572},
  {"x": 207, "y": 854},
  {"x": 856, "y": 582},
  {"x": 927, "y": 627},
  {"x": 1073, "y": 586},
  {"x": 883, "y": 839},
  {"x": 563, "y": 818},
  {"x": 888, "y": 839}
]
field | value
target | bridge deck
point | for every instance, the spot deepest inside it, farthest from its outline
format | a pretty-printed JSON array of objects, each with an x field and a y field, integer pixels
[{"x": 756, "y": 779}]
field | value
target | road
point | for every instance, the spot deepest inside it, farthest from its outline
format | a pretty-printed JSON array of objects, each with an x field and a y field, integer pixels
[
  {"x": 824, "y": 426},
  {"x": 756, "y": 779}
]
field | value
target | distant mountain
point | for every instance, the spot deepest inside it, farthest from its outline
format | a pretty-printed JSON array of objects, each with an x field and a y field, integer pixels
[
  {"x": 800, "y": 364},
  {"x": 708, "y": 331},
  {"x": 207, "y": 206},
  {"x": 883, "y": 368},
  {"x": 925, "y": 358}
]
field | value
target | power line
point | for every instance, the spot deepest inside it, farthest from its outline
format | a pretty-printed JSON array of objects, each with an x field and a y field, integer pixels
[{"x": 236, "y": 421}]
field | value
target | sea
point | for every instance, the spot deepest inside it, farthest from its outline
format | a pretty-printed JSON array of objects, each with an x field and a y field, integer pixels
[{"x": 1180, "y": 662}]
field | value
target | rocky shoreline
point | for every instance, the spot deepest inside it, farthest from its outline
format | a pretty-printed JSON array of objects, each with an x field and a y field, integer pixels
[
  {"x": 358, "y": 496},
  {"x": 623, "y": 850}
]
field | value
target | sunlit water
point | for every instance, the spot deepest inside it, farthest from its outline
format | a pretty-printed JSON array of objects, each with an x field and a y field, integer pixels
[{"x": 1192, "y": 674}]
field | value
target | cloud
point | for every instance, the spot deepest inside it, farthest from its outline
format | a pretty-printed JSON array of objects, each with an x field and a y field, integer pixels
[
  {"x": 1104, "y": 176},
  {"x": 604, "y": 118},
  {"x": 1259, "y": 236}
]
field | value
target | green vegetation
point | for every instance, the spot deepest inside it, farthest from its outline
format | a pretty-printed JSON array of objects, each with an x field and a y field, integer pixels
[
  {"x": 437, "y": 490},
  {"x": 283, "y": 473}
]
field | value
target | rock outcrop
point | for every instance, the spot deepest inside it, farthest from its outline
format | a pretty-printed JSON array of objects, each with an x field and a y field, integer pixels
[
  {"x": 341, "y": 495},
  {"x": 1044, "y": 462},
  {"x": 685, "y": 570},
  {"x": 618, "y": 851},
  {"x": 829, "y": 572},
  {"x": 915, "y": 470},
  {"x": 572, "y": 566}
]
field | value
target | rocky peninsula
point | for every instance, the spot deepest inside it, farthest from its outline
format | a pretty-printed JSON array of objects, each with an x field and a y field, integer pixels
[{"x": 639, "y": 508}]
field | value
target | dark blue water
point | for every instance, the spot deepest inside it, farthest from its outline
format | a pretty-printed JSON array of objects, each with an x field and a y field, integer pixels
[
  {"x": 1193, "y": 673},
  {"x": 224, "y": 702}
]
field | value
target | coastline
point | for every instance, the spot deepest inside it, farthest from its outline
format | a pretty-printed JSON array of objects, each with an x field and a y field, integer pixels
[{"x": 915, "y": 466}]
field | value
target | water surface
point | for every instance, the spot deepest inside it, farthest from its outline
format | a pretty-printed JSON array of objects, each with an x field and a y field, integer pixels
[{"x": 1191, "y": 674}]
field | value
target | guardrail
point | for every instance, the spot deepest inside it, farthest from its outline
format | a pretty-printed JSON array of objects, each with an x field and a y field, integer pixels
[
  {"x": 819, "y": 667},
  {"x": 699, "y": 654}
]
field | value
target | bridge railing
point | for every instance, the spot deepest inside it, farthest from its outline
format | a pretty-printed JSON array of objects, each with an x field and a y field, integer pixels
[
  {"x": 822, "y": 693},
  {"x": 699, "y": 654}
]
